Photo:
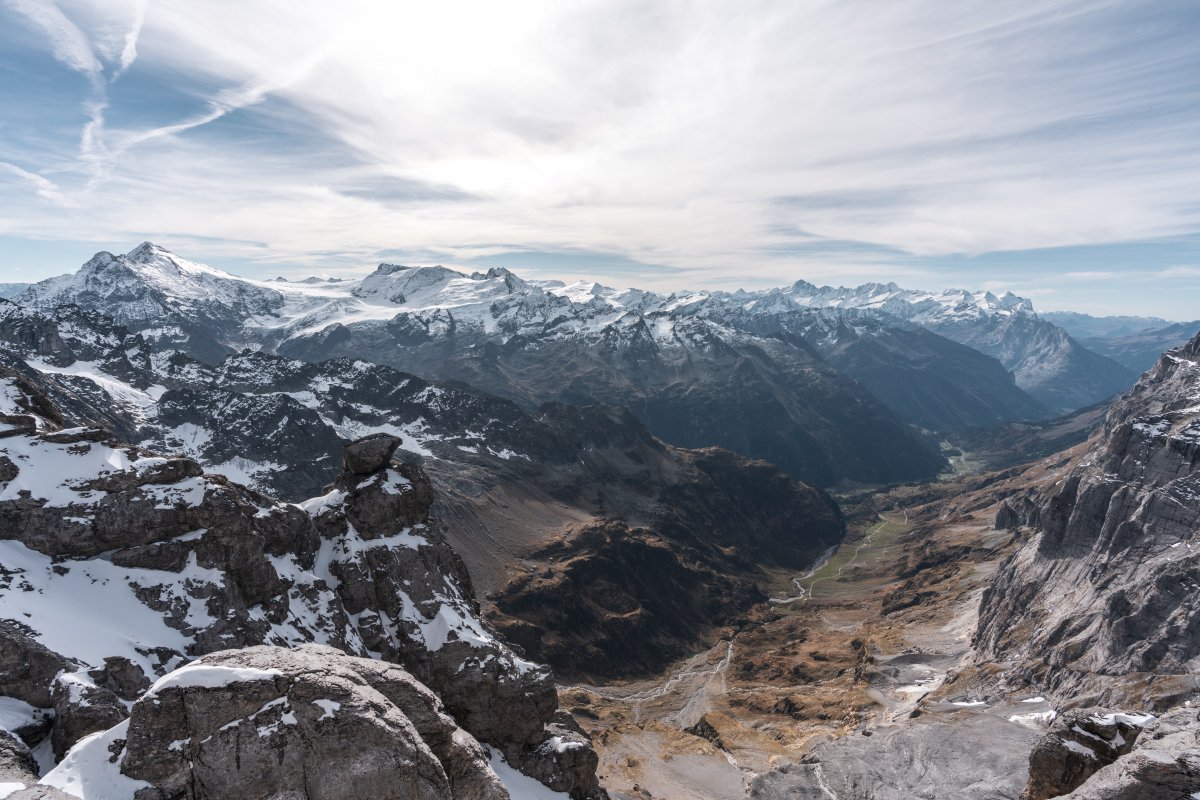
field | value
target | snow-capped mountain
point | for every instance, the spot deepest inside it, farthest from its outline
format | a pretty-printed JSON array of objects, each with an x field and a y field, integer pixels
[
  {"x": 692, "y": 380},
  {"x": 175, "y": 302}
]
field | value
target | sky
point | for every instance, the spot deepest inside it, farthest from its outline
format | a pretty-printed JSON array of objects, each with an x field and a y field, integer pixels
[{"x": 1047, "y": 147}]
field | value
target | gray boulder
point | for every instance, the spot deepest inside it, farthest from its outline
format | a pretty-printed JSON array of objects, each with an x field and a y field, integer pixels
[
  {"x": 17, "y": 764},
  {"x": 81, "y": 708},
  {"x": 27, "y": 667},
  {"x": 310, "y": 724}
]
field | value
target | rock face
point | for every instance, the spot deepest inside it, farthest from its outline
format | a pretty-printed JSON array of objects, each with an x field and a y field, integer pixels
[
  {"x": 1099, "y": 603},
  {"x": 1164, "y": 764},
  {"x": 369, "y": 454},
  {"x": 309, "y": 722},
  {"x": 194, "y": 563},
  {"x": 926, "y": 379}
]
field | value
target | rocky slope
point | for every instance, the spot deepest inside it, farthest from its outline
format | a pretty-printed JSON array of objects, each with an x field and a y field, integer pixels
[
  {"x": 1099, "y": 754},
  {"x": 1100, "y": 602},
  {"x": 267, "y": 721},
  {"x": 924, "y": 378},
  {"x": 120, "y": 565}
]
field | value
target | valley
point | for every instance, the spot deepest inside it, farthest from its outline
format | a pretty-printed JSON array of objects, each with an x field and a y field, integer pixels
[{"x": 864, "y": 645}]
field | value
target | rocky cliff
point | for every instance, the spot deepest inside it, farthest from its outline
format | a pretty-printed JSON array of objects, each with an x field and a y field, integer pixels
[{"x": 1100, "y": 603}]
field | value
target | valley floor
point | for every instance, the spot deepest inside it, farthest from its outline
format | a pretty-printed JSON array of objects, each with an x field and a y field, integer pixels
[{"x": 860, "y": 655}]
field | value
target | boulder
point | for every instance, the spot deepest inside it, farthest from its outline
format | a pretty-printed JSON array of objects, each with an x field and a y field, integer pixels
[
  {"x": 27, "y": 667},
  {"x": 81, "y": 708},
  {"x": 370, "y": 453}
]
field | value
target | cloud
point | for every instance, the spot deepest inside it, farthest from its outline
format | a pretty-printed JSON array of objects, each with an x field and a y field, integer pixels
[
  {"x": 754, "y": 142},
  {"x": 1178, "y": 272}
]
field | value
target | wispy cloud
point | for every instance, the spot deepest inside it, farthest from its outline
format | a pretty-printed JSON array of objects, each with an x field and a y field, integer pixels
[
  {"x": 68, "y": 43},
  {"x": 45, "y": 188}
]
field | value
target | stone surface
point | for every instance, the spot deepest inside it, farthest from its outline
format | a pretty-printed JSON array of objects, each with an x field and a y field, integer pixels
[
  {"x": 27, "y": 667},
  {"x": 17, "y": 764},
  {"x": 80, "y": 708},
  {"x": 975, "y": 758},
  {"x": 1079, "y": 743}
]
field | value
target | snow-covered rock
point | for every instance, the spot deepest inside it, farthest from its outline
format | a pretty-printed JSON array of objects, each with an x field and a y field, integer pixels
[{"x": 118, "y": 565}]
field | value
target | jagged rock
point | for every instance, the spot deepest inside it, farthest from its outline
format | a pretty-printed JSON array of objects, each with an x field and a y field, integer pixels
[
  {"x": 122, "y": 677},
  {"x": 1164, "y": 764},
  {"x": 424, "y": 589},
  {"x": 307, "y": 723},
  {"x": 205, "y": 565},
  {"x": 370, "y": 453},
  {"x": 80, "y": 708},
  {"x": 1006, "y": 517},
  {"x": 705, "y": 730},
  {"x": 1078, "y": 744},
  {"x": 565, "y": 761}
]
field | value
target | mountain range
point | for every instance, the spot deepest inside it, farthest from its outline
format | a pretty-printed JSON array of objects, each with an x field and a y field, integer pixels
[{"x": 832, "y": 385}]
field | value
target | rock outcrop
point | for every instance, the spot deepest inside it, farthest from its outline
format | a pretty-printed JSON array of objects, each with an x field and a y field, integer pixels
[
  {"x": 1164, "y": 764},
  {"x": 309, "y": 722},
  {"x": 1079, "y": 743}
]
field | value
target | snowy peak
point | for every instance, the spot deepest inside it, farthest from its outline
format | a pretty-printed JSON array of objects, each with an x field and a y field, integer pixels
[{"x": 909, "y": 303}]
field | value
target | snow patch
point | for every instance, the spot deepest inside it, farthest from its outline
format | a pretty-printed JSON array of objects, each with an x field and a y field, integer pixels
[
  {"x": 210, "y": 676},
  {"x": 90, "y": 772}
]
